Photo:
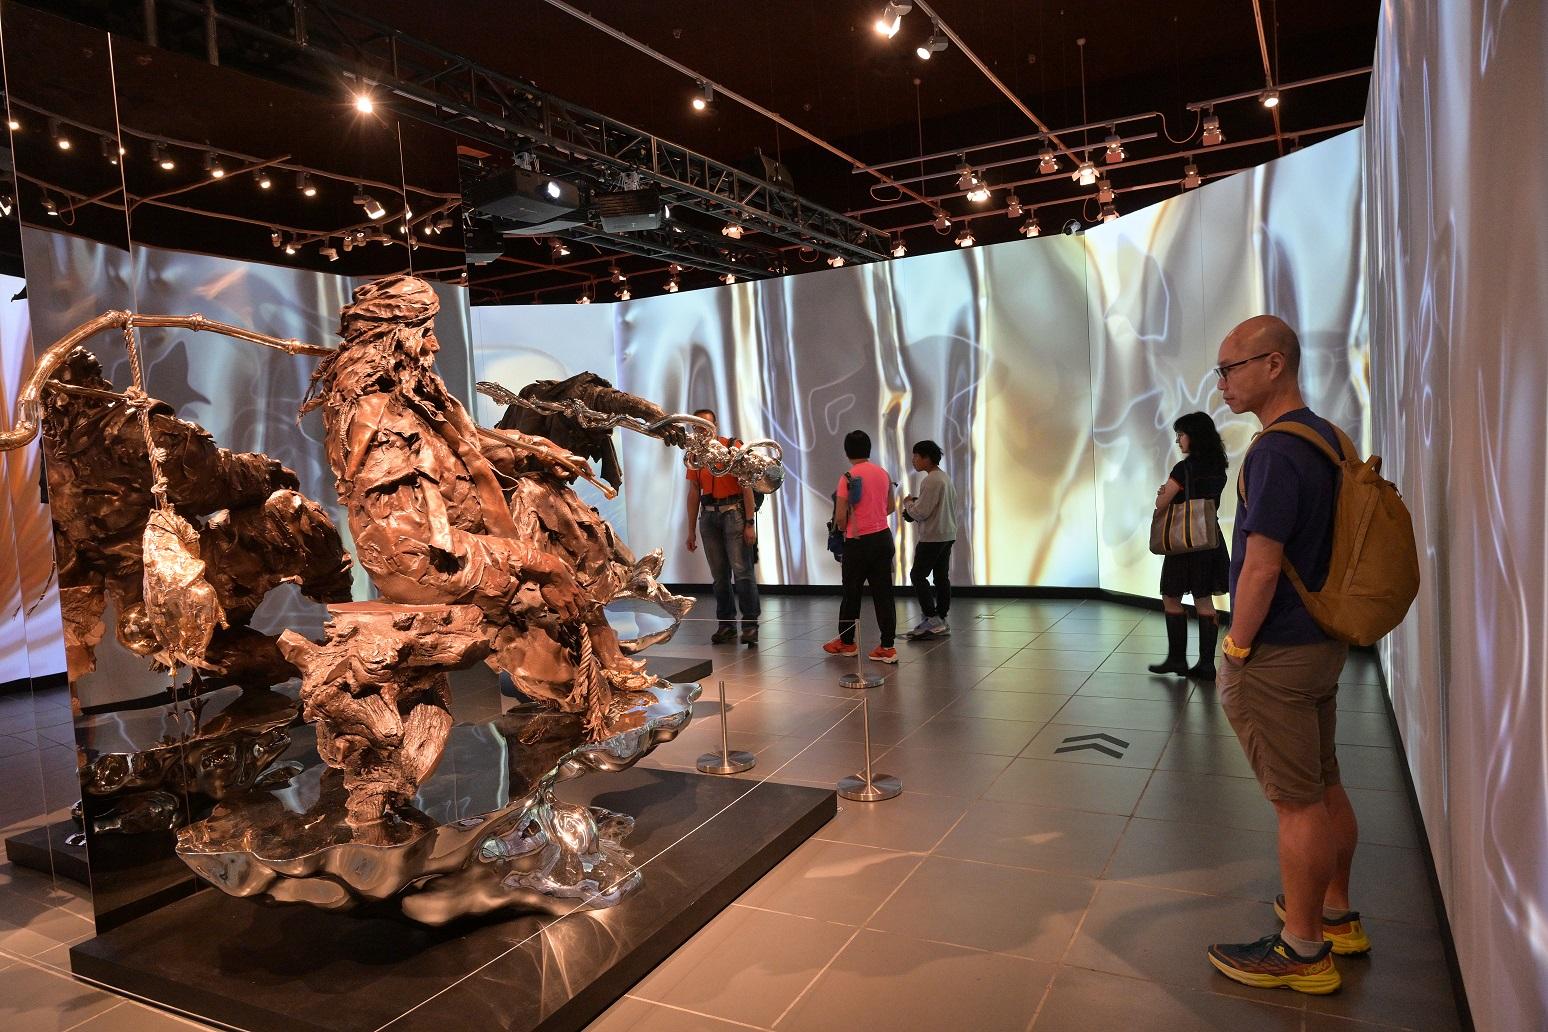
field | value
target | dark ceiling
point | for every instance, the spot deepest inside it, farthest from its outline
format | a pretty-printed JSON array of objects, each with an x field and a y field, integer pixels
[{"x": 820, "y": 65}]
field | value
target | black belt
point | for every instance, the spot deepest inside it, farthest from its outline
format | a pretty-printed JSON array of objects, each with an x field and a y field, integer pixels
[{"x": 719, "y": 503}]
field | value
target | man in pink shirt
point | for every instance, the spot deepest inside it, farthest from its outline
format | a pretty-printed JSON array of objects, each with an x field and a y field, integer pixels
[{"x": 865, "y": 502}]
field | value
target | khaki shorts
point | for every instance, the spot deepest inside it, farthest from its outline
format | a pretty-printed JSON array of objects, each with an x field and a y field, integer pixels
[{"x": 1283, "y": 704}]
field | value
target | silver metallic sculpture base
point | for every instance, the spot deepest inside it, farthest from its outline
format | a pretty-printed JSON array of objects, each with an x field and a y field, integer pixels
[
  {"x": 881, "y": 786},
  {"x": 485, "y": 832},
  {"x": 859, "y": 680},
  {"x": 732, "y": 761}
]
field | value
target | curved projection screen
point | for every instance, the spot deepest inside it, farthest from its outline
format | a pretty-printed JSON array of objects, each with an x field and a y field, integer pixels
[{"x": 1048, "y": 370}]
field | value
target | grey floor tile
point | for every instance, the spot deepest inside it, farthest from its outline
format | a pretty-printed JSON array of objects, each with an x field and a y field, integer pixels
[
  {"x": 633, "y": 1015},
  {"x": 1403, "y": 981},
  {"x": 1391, "y": 882},
  {"x": 966, "y": 735},
  {"x": 1362, "y": 766},
  {"x": 1055, "y": 659},
  {"x": 974, "y": 637},
  {"x": 1205, "y": 718},
  {"x": 1356, "y": 728},
  {"x": 1147, "y": 686},
  {"x": 745, "y": 965},
  {"x": 1078, "y": 640},
  {"x": 1074, "y": 786},
  {"x": 1002, "y": 909},
  {"x": 1139, "y": 748},
  {"x": 34, "y": 1000},
  {"x": 1129, "y": 714},
  {"x": 911, "y": 822},
  {"x": 1086, "y": 1001},
  {"x": 1226, "y": 802},
  {"x": 883, "y": 981},
  {"x": 1206, "y": 754},
  {"x": 1385, "y": 817},
  {"x": 888, "y": 727},
  {"x": 1044, "y": 838},
  {"x": 1198, "y": 858},
  {"x": 1144, "y": 932},
  {"x": 1127, "y": 663},
  {"x": 133, "y": 1017},
  {"x": 1362, "y": 698},
  {"x": 993, "y": 705},
  {"x": 1037, "y": 682},
  {"x": 832, "y": 881},
  {"x": 931, "y": 771}
]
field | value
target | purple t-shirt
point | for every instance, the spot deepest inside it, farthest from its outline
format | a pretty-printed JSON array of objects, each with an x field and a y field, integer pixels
[{"x": 1291, "y": 490}]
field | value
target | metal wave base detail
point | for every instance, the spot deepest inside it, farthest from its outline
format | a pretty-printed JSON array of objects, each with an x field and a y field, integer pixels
[{"x": 484, "y": 833}]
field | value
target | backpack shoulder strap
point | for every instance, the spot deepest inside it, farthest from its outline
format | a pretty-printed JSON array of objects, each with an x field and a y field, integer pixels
[{"x": 1312, "y": 437}]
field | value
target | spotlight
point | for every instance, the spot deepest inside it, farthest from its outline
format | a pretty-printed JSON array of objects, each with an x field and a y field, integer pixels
[
  {"x": 558, "y": 249},
  {"x": 213, "y": 166},
  {"x": 1050, "y": 163},
  {"x": 1212, "y": 134},
  {"x": 14, "y": 124},
  {"x": 891, "y": 19},
  {"x": 442, "y": 224},
  {"x": 965, "y": 238},
  {"x": 162, "y": 156},
  {"x": 899, "y": 248},
  {"x": 623, "y": 293},
  {"x": 934, "y": 45},
  {"x": 615, "y": 273},
  {"x": 363, "y": 103},
  {"x": 942, "y": 221},
  {"x": 967, "y": 179},
  {"x": 553, "y": 189},
  {"x": 56, "y": 134},
  {"x": 671, "y": 284},
  {"x": 263, "y": 180},
  {"x": 1030, "y": 228},
  {"x": 1190, "y": 179},
  {"x": 1013, "y": 207},
  {"x": 7, "y": 205},
  {"x": 328, "y": 252},
  {"x": 305, "y": 185},
  {"x": 979, "y": 194},
  {"x": 275, "y": 238},
  {"x": 110, "y": 150},
  {"x": 837, "y": 261},
  {"x": 1109, "y": 213},
  {"x": 1085, "y": 175},
  {"x": 1269, "y": 98},
  {"x": 733, "y": 230},
  {"x": 1115, "y": 152},
  {"x": 1104, "y": 192},
  {"x": 373, "y": 207},
  {"x": 50, "y": 207},
  {"x": 585, "y": 298},
  {"x": 290, "y": 248},
  {"x": 704, "y": 98},
  {"x": 728, "y": 279}
]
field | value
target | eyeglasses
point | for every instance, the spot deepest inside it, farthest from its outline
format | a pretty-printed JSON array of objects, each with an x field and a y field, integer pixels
[{"x": 1224, "y": 371}]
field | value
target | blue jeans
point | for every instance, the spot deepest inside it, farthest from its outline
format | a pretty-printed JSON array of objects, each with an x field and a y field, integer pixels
[{"x": 730, "y": 559}]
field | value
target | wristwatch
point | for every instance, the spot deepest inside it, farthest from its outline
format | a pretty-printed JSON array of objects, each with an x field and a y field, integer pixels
[{"x": 1234, "y": 650}]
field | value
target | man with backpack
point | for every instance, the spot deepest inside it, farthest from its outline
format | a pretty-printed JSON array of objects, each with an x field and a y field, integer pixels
[
  {"x": 725, "y": 512},
  {"x": 1298, "y": 491}
]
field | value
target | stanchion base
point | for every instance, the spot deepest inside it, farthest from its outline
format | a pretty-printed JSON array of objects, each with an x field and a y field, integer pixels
[
  {"x": 882, "y": 786},
  {"x": 733, "y": 762},
  {"x": 861, "y": 681}
]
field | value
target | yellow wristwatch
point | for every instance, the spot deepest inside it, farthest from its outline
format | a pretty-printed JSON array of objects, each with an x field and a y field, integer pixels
[{"x": 1234, "y": 650}]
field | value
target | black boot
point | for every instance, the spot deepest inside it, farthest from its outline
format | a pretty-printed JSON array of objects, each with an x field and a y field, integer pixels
[
  {"x": 749, "y": 634},
  {"x": 1176, "y": 647},
  {"x": 726, "y": 633},
  {"x": 1209, "y": 630}
]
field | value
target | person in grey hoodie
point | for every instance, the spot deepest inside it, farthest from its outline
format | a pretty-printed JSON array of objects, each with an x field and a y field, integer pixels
[{"x": 934, "y": 509}]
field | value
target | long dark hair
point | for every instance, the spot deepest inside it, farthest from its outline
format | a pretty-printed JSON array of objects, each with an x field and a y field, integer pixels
[{"x": 1204, "y": 445}]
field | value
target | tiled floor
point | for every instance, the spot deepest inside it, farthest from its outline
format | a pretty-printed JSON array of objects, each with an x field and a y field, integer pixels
[{"x": 1010, "y": 886}]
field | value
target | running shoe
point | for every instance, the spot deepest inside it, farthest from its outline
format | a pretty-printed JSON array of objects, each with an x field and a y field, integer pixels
[
  {"x": 840, "y": 647},
  {"x": 1345, "y": 932},
  {"x": 884, "y": 655},
  {"x": 1270, "y": 964}
]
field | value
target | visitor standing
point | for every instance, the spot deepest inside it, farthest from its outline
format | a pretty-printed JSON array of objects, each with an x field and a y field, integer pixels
[
  {"x": 865, "y": 503},
  {"x": 934, "y": 511},
  {"x": 1201, "y": 475},
  {"x": 1279, "y": 678},
  {"x": 724, "y": 513}
]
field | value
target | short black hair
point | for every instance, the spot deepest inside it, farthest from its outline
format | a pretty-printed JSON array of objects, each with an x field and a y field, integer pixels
[
  {"x": 857, "y": 445},
  {"x": 701, "y": 412},
  {"x": 930, "y": 450}
]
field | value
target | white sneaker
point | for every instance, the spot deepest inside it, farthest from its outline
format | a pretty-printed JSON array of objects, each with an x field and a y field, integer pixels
[{"x": 920, "y": 629}]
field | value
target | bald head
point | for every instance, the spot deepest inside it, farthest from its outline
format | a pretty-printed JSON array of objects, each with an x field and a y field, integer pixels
[{"x": 1265, "y": 333}]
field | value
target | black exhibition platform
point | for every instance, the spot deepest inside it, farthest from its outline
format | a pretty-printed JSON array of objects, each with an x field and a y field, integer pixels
[{"x": 297, "y": 969}]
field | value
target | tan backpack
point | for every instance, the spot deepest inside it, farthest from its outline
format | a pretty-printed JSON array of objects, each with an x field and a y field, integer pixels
[{"x": 1373, "y": 572}]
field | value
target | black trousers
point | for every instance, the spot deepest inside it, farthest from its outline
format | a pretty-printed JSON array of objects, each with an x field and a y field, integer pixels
[
  {"x": 869, "y": 559},
  {"x": 932, "y": 558}
]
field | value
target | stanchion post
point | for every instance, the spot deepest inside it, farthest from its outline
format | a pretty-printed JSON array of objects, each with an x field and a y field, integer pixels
[
  {"x": 868, "y": 786},
  {"x": 860, "y": 679},
  {"x": 725, "y": 761}
]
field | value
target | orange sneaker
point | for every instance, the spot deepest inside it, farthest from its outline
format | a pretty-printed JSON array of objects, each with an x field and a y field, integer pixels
[
  {"x": 884, "y": 655},
  {"x": 840, "y": 647}
]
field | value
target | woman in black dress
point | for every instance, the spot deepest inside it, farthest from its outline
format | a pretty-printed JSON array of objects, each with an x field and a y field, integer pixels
[{"x": 1200, "y": 574}]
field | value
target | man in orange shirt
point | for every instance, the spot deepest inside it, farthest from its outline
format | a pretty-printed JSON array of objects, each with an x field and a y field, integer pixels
[{"x": 724, "y": 512}]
